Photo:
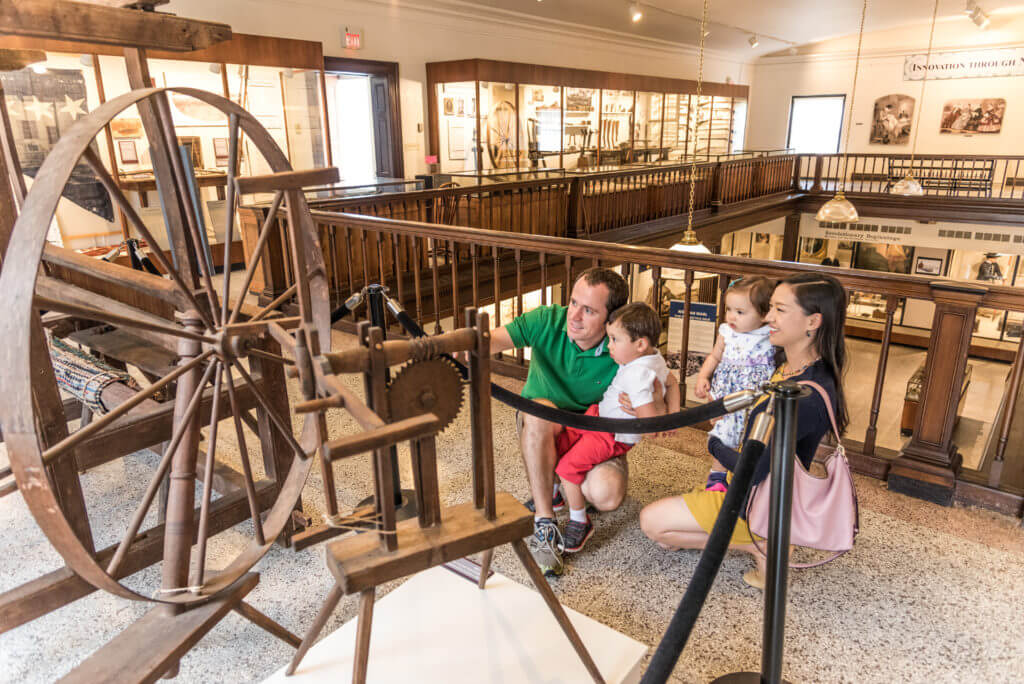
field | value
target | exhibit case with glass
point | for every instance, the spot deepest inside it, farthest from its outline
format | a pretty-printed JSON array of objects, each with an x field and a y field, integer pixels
[
  {"x": 278, "y": 80},
  {"x": 539, "y": 117}
]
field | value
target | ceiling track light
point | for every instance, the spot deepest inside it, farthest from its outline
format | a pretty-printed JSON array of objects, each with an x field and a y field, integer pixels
[
  {"x": 754, "y": 42},
  {"x": 636, "y": 13}
]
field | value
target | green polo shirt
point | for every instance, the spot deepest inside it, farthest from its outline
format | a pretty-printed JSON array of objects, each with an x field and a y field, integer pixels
[{"x": 560, "y": 371}]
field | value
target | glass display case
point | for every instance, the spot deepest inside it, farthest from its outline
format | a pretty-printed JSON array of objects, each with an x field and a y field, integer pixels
[{"x": 543, "y": 117}]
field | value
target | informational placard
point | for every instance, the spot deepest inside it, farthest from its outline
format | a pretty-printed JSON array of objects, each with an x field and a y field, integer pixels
[
  {"x": 965, "y": 64},
  {"x": 703, "y": 318},
  {"x": 975, "y": 237}
]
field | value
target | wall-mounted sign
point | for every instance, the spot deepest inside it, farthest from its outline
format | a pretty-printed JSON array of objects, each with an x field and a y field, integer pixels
[
  {"x": 941, "y": 234},
  {"x": 966, "y": 64},
  {"x": 352, "y": 38}
]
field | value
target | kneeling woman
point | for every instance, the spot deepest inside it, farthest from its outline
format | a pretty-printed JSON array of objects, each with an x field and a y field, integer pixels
[{"x": 807, "y": 319}]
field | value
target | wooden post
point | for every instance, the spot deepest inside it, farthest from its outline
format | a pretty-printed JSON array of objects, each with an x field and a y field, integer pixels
[
  {"x": 927, "y": 466},
  {"x": 883, "y": 360},
  {"x": 791, "y": 237},
  {"x": 819, "y": 162}
]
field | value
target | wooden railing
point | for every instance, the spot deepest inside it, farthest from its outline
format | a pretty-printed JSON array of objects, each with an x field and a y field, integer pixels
[
  {"x": 989, "y": 177},
  {"x": 436, "y": 270}
]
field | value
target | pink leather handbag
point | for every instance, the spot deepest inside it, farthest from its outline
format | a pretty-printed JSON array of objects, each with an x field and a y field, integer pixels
[{"x": 825, "y": 514}]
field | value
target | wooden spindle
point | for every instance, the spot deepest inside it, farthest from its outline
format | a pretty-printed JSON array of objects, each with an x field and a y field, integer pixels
[{"x": 883, "y": 360}]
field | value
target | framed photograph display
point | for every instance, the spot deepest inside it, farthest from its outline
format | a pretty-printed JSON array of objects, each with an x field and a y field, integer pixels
[
  {"x": 928, "y": 266},
  {"x": 969, "y": 116},
  {"x": 127, "y": 152},
  {"x": 892, "y": 119}
]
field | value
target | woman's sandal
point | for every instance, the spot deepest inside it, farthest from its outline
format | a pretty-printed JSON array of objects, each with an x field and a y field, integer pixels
[{"x": 755, "y": 578}]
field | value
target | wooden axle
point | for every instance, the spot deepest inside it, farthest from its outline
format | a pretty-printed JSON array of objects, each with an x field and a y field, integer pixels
[{"x": 399, "y": 351}]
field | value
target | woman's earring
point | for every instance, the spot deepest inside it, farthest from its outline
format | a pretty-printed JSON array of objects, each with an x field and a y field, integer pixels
[{"x": 808, "y": 333}]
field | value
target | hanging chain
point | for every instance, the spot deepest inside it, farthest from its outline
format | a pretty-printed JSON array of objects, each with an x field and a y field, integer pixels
[
  {"x": 853, "y": 96},
  {"x": 700, "y": 83},
  {"x": 924, "y": 81}
]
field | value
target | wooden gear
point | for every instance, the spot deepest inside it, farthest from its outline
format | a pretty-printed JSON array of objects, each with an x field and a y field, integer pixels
[
  {"x": 393, "y": 550},
  {"x": 431, "y": 386}
]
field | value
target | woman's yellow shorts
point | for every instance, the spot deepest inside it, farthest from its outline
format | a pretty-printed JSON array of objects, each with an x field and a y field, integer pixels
[{"x": 705, "y": 506}]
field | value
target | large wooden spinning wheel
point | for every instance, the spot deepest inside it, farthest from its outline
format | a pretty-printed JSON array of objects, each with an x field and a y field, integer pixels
[
  {"x": 215, "y": 338},
  {"x": 501, "y": 135}
]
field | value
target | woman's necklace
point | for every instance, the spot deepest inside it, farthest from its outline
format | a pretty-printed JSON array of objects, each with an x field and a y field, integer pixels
[{"x": 791, "y": 373}]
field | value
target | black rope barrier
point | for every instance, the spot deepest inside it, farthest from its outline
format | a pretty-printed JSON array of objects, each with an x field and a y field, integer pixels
[
  {"x": 679, "y": 629},
  {"x": 638, "y": 426}
]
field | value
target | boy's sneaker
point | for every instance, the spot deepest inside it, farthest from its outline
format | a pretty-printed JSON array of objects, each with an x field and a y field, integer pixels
[
  {"x": 577, "y": 534},
  {"x": 546, "y": 546},
  {"x": 557, "y": 503}
]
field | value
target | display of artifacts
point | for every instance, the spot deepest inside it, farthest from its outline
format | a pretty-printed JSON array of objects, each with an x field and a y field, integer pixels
[
  {"x": 41, "y": 107},
  {"x": 449, "y": 106},
  {"x": 126, "y": 128},
  {"x": 456, "y": 140},
  {"x": 126, "y": 151},
  {"x": 988, "y": 270},
  {"x": 877, "y": 256},
  {"x": 892, "y": 120},
  {"x": 579, "y": 100},
  {"x": 973, "y": 116},
  {"x": 928, "y": 266},
  {"x": 221, "y": 152},
  {"x": 500, "y": 135},
  {"x": 811, "y": 249},
  {"x": 460, "y": 106}
]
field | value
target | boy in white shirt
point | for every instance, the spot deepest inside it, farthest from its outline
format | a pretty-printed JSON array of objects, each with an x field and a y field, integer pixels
[{"x": 633, "y": 333}]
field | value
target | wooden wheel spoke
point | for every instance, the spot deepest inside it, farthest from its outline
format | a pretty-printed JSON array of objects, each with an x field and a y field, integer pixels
[
  {"x": 161, "y": 471},
  {"x": 281, "y": 298},
  {"x": 100, "y": 423},
  {"x": 271, "y": 413},
  {"x": 277, "y": 358},
  {"x": 269, "y": 224},
  {"x": 129, "y": 211},
  {"x": 140, "y": 319},
  {"x": 229, "y": 227},
  {"x": 243, "y": 452},
  {"x": 211, "y": 449}
]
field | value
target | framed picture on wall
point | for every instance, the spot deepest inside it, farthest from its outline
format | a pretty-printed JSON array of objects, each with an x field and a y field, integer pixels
[
  {"x": 127, "y": 152},
  {"x": 220, "y": 151},
  {"x": 460, "y": 106},
  {"x": 973, "y": 116},
  {"x": 449, "y": 106},
  {"x": 928, "y": 266},
  {"x": 891, "y": 121}
]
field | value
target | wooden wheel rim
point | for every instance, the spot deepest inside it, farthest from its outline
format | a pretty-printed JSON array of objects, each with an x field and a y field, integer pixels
[
  {"x": 25, "y": 448},
  {"x": 500, "y": 125}
]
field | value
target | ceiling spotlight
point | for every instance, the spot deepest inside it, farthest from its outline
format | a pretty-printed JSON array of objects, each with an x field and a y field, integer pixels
[
  {"x": 970, "y": 6},
  {"x": 979, "y": 18},
  {"x": 754, "y": 42},
  {"x": 635, "y": 13}
]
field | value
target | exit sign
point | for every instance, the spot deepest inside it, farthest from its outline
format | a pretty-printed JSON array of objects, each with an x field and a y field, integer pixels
[{"x": 353, "y": 38}]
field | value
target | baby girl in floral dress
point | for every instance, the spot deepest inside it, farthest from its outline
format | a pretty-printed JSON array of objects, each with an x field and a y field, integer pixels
[{"x": 742, "y": 358}]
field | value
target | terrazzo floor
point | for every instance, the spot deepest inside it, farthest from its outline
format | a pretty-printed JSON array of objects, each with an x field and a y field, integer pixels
[{"x": 928, "y": 595}]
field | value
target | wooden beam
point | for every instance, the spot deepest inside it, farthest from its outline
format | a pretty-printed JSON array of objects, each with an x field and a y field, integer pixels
[
  {"x": 158, "y": 640},
  {"x": 287, "y": 180},
  {"x": 13, "y": 60},
  {"x": 79, "y": 21}
]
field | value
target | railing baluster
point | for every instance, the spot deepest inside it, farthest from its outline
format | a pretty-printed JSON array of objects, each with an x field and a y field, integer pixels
[
  {"x": 474, "y": 255},
  {"x": 684, "y": 347},
  {"x": 435, "y": 257},
  {"x": 496, "y": 262},
  {"x": 416, "y": 277},
  {"x": 520, "y": 356},
  {"x": 567, "y": 281},
  {"x": 348, "y": 259},
  {"x": 454, "y": 263},
  {"x": 366, "y": 257},
  {"x": 543, "y": 279},
  {"x": 883, "y": 361}
]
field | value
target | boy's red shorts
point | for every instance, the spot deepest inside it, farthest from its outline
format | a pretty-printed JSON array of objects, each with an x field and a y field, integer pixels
[{"x": 580, "y": 450}]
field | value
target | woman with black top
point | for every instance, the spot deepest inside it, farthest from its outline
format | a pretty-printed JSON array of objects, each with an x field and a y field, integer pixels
[{"x": 807, "y": 320}]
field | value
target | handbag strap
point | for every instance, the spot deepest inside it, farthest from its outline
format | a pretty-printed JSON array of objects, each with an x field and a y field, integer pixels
[{"x": 828, "y": 406}]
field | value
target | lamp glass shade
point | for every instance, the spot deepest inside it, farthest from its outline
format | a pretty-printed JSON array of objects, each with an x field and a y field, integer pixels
[
  {"x": 908, "y": 187},
  {"x": 838, "y": 210}
]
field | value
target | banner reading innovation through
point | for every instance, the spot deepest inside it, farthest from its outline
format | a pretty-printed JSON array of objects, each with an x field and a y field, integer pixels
[{"x": 965, "y": 64}]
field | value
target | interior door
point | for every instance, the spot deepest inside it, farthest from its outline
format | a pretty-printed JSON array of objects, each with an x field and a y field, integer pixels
[{"x": 382, "y": 137}]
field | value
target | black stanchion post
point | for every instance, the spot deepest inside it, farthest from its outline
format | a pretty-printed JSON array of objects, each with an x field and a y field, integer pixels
[
  {"x": 785, "y": 397},
  {"x": 404, "y": 501}
]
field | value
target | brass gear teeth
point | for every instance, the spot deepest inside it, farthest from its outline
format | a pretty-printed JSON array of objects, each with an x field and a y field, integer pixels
[{"x": 433, "y": 386}]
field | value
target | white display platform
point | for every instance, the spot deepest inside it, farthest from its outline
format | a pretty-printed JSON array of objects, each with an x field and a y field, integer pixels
[{"x": 439, "y": 627}]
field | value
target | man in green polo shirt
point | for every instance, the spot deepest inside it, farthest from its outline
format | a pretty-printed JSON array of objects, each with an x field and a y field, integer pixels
[{"x": 570, "y": 368}]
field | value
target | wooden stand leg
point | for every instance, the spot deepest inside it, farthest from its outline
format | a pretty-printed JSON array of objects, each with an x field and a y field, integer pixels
[
  {"x": 556, "y": 608},
  {"x": 366, "y": 599},
  {"x": 485, "y": 566},
  {"x": 314, "y": 631}
]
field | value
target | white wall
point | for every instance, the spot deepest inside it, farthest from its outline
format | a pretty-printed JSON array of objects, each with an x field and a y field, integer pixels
[
  {"x": 414, "y": 32},
  {"x": 828, "y": 69}
]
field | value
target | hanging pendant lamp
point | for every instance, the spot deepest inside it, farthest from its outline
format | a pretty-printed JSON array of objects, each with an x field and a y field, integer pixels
[
  {"x": 908, "y": 186},
  {"x": 689, "y": 242},
  {"x": 839, "y": 209}
]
